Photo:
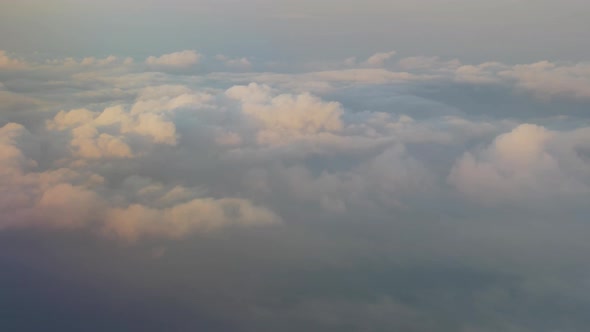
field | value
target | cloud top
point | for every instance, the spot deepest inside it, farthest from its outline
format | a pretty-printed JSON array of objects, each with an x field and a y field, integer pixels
[{"x": 176, "y": 60}]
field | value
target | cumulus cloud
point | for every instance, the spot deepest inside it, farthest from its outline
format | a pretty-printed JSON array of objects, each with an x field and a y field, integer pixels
[
  {"x": 278, "y": 120},
  {"x": 89, "y": 144},
  {"x": 70, "y": 198},
  {"x": 147, "y": 117},
  {"x": 137, "y": 221},
  {"x": 286, "y": 115},
  {"x": 235, "y": 63},
  {"x": 9, "y": 63},
  {"x": 348, "y": 176},
  {"x": 176, "y": 60},
  {"x": 391, "y": 179},
  {"x": 53, "y": 198},
  {"x": 379, "y": 59},
  {"x": 64, "y": 120},
  {"x": 547, "y": 80},
  {"x": 166, "y": 98},
  {"x": 527, "y": 163}
]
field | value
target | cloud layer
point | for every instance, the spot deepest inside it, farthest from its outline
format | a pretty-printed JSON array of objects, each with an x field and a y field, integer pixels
[{"x": 373, "y": 194}]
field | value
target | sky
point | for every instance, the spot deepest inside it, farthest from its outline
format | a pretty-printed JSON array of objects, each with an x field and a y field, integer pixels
[{"x": 258, "y": 165}]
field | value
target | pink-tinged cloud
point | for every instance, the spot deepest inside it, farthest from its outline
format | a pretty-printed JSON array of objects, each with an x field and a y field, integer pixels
[{"x": 177, "y": 60}]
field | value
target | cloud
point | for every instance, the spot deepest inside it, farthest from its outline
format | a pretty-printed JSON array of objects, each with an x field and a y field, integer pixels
[
  {"x": 391, "y": 179},
  {"x": 285, "y": 116},
  {"x": 336, "y": 314},
  {"x": 544, "y": 80},
  {"x": 177, "y": 60},
  {"x": 66, "y": 206},
  {"x": 138, "y": 221},
  {"x": 166, "y": 98},
  {"x": 379, "y": 59},
  {"x": 14, "y": 102},
  {"x": 279, "y": 120},
  {"x": 547, "y": 80},
  {"x": 427, "y": 63},
  {"x": 53, "y": 198},
  {"x": 9, "y": 63},
  {"x": 145, "y": 118},
  {"x": 89, "y": 144},
  {"x": 11, "y": 156},
  {"x": 530, "y": 163},
  {"x": 235, "y": 63},
  {"x": 64, "y": 120},
  {"x": 335, "y": 174},
  {"x": 56, "y": 198},
  {"x": 154, "y": 126}
]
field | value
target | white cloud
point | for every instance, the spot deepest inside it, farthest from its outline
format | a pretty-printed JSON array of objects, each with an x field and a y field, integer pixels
[
  {"x": 9, "y": 63},
  {"x": 10, "y": 155},
  {"x": 64, "y": 120},
  {"x": 65, "y": 198},
  {"x": 235, "y": 63},
  {"x": 379, "y": 59},
  {"x": 203, "y": 143},
  {"x": 88, "y": 143},
  {"x": 137, "y": 221},
  {"x": 154, "y": 126},
  {"x": 149, "y": 117},
  {"x": 285, "y": 116},
  {"x": 530, "y": 163},
  {"x": 100, "y": 62},
  {"x": 177, "y": 60},
  {"x": 166, "y": 98},
  {"x": 54, "y": 198},
  {"x": 547, "y": 80}
]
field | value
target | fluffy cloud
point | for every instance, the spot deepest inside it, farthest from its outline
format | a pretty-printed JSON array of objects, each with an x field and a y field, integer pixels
[
  {"x": 546, "y": 79},
  {"x": 527, "y": 163},
  {"x": 147, "y": 117},
  {"x": 53, "y": 198},
  {"x": 11, "y": 156},
  {"x": 379, "y": 59},
  {"x": 166, "y": 98},
  {"x": 89, "y": 144},
  {"x": 177, "y": 60},
  {"x": 9, "y": 63},
  {"x": 255, "y": 123},
  {"x": 70, "y": 198},
  {"x": 64, "y": 120},
  {"x": 137, "y": 221},
  {"x": 345, "y": 176},
  {"x": 284, "y": 116},
  {"x": 235, "y": 63}
]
